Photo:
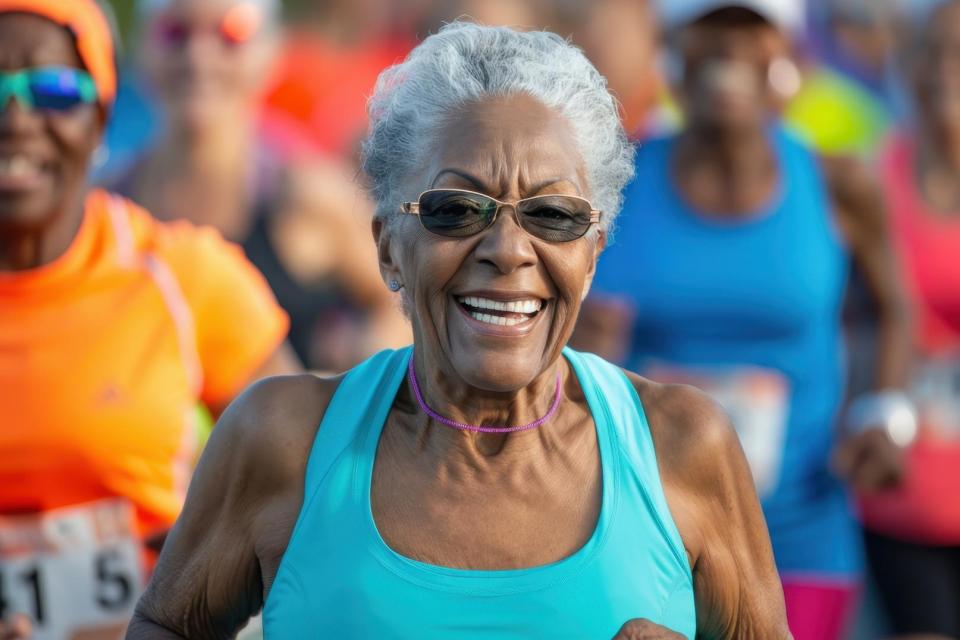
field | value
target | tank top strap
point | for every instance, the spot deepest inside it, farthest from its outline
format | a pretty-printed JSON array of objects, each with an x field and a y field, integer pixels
[
  {"x": 798, "y": 163},
  {"x": 606, "y": 385},
  {"x": 355, "y": 407}
]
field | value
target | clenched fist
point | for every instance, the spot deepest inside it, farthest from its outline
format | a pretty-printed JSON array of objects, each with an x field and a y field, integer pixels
[
  {"x": 16, "y": 627},
  {"x": 646, "y": 630}
]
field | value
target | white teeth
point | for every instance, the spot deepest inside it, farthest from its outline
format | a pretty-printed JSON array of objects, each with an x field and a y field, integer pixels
[
  {"x": 17, "y": 166},
  {"x": 515, "y": 306},
  {"x": 499, "y": 321}
]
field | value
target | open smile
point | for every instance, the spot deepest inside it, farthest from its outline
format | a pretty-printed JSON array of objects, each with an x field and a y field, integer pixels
[
  {"x": 501, "y": 314},
  {"x": 20, "y": 172}
]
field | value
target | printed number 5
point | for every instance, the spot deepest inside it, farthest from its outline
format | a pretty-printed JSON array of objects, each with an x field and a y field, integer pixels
[{"x": 114, "y": 588}]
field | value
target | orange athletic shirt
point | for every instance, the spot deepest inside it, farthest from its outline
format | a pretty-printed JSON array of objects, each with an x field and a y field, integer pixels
[{"x": 105, "y": 353}]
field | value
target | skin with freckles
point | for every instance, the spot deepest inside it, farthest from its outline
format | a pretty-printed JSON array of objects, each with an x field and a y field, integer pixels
[{"x": 537, "y": 493}]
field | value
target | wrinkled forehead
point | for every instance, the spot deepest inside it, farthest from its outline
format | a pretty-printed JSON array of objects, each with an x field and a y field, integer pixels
[{"x": 508, "y": 142}]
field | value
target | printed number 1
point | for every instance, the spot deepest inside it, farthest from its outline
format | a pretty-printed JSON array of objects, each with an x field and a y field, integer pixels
[
  {"x": 114, "y": 587},
  {"x": 33, "y": 579}
]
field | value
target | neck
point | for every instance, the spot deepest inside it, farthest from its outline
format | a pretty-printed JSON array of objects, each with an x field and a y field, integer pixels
[
  {"x": 741, "y": 153},
  {"x": 21, "y": 250},
  {"x": 462, "y": 403},
  {"x": 213, "y": 150},
  {"x": 726, "y": 171}
]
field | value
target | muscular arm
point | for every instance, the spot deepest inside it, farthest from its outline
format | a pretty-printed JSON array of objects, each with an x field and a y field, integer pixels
[
  {"x": 870, "y": 460},
  {"x": 861, "y": 215},
  {"x": 711, "y": 495},
  {"x": 221, "y": 556}
]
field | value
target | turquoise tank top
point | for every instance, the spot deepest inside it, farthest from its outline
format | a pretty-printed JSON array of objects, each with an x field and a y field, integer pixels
[{"x": 339, "y": 579}]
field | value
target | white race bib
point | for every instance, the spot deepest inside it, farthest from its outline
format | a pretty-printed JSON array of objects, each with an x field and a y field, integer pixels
[
  {"x": 936, "y": 392},
  {"x": 76, "y": 572},
  {"x": 757, "y": 401}
]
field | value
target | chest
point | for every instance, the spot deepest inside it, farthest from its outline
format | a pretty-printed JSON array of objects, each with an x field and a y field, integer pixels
[
  {"x": 930, "y": 250},
  {"x": 486, "y": 516},
  {"x": 105, "y": 369},
  {"x": 770, "y": 277}
]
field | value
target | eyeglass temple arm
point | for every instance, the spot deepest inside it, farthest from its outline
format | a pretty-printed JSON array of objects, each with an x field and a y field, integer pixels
[{"x": 413, "y": 208}]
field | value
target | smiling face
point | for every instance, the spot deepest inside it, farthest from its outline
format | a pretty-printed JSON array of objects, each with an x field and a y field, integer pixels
[
  {"x": 207, "y": 58},
  {"x": 44, "y": 155},
  {"x": 494, "y": 309}
]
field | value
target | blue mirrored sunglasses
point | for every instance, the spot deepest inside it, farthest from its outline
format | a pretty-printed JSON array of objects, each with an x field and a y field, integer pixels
[{"x": 48, "y": 88}]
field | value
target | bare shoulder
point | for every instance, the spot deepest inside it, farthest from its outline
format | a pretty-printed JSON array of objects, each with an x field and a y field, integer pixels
[
  {"x": 271, "y": 426},
  {"x": 241, "y": 508},
  {"x": 691, "y": 432},
  {"x": 856, "y": 192},
  {"x": 711, "y": 496}
]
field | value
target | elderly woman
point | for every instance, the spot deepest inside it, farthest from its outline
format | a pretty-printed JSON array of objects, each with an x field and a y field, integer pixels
[
  {"x": 113, "y": 327},
  {"x": 487, "y": 482}
]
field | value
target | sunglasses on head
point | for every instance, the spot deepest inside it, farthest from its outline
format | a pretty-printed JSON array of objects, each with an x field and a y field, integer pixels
[
  {"x": 238, "y": 26},
  {"x": 456, "y": 213},
  {"x": 48, "y": 88}
]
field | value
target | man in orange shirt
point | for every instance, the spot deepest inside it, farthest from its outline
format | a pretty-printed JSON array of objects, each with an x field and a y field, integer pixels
[{"x": 113, "y": 327}]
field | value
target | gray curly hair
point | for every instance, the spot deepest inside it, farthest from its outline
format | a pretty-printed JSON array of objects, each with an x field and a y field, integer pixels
[{"x": 465, "y": 63}]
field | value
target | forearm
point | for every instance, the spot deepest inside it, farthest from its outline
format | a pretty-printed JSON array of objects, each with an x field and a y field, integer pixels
[{"x": 893, "y": 347}]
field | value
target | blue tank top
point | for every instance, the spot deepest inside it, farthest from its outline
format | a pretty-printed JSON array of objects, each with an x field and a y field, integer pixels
[
  {"x": 761, "y": 293},
  {"x": 339, "y": 579}
]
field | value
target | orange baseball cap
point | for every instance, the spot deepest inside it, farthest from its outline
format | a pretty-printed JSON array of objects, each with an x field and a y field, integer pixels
[{"x": 90, "y": 26}]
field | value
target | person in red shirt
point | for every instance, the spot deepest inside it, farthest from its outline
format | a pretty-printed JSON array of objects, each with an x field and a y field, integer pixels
[
  {"x": 913, "y": 531},
  {"x": 113, "y": 327}
]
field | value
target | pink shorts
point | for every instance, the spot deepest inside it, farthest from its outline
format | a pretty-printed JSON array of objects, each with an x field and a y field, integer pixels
[{"x": 819, "y": 608}]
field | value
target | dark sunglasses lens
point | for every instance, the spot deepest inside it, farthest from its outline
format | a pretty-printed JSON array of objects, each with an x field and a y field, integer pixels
[
  {"x": 171, "y": 33},
  {"x": 57, "y": 89},
  {"x": 555, "y": 218},
  {"x": 455, "y": 214}
]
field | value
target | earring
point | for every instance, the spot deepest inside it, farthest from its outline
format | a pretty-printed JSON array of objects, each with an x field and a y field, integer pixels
[
  {"x": 784, "y": 76},
  {"x": 395, "y": 285},
  {"x": 101, "y": 156}
]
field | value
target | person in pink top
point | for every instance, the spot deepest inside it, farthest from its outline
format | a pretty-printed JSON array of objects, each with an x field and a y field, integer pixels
[{"x": 913, "y": 531}]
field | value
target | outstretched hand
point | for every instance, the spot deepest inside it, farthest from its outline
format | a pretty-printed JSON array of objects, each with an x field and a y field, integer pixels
[
  {"x": 870, "y": 461},
  {"x": 16, "y": 627},
  {"x": 646, "y": 630}
]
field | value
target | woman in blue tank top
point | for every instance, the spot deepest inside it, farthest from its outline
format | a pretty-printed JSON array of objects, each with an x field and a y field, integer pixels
[
  {"x": 729, "y": 272},
  {"x": 487, "y": 482}
]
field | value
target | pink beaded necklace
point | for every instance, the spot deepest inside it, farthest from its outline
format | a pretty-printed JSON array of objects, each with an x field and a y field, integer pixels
[{"x": 412, "y": 376}]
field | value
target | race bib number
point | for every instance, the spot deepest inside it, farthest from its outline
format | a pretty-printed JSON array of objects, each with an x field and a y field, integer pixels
[
  {"x": 936, "y": 392},
  {"x": 757, "y": 401},
  {"x": 76, "y": 572}
]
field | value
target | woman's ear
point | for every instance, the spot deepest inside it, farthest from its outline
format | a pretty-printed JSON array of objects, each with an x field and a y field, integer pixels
[
  {"x": 389, "y": 269},
  {"x": 600, "y": 245}
]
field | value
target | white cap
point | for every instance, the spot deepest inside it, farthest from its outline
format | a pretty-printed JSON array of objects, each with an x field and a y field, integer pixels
[
  {"x": 919, "y": 11},
  {"x": 787, "y": 15}
]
